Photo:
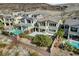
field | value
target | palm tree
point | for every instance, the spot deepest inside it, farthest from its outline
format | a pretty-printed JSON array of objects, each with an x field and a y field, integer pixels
[
  {"x": 59, "y": 37},
  {"x": 1, "y": 26},
  {"x": 58, "y": 40}
]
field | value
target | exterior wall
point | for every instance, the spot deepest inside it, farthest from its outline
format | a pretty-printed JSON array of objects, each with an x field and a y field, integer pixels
[
  {"x": 7, "y": 23},
  {"x": 45, "y": 27},
  {"x": 48, "y": 29},
  {"x": 73, "y": 33}
]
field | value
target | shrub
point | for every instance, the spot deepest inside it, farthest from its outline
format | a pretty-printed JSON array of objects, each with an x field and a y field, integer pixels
[
  {"x": 26, "y": 36},
  {"x": 33, "y": 53},
  {"x": 42, "y": 40}
]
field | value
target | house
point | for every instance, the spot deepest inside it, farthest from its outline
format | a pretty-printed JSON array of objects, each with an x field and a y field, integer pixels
[
  {"x": 73, "y": 31},
  {"x": 25, "y": 23},
  {"x": 47, "y": 25},
  {"x": 7, "y": 21},
  {"x": 33, "y": 23}
]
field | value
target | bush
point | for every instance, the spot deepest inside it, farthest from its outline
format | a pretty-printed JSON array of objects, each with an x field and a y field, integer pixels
[
  {"x": 33, "y": 53},
  {"x": 60, "y": 33},
  {"x": 26, "y": 36},
  {"x": 42, "y": 40}
]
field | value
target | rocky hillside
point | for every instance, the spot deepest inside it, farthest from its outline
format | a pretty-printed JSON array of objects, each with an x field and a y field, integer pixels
[
  {"x": 70, "y": 7},
  {"x": 28, "y": 6}
]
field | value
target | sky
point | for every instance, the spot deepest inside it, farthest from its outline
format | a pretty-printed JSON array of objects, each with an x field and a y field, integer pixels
[
  {"x": 40, "y": 1},
  {"x": 63, "y": 1}
]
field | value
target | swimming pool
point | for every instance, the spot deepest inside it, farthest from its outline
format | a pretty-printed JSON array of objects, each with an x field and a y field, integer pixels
[
  {"x": 16, "y": 31},
  {"x": 73, "y": 43}
]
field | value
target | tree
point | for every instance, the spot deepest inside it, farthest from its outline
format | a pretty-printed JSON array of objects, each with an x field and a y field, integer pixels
[
  {"x": 42, "y": 40},
  {"x": 60, "y": 33},
  {"x": 1, "y": 25},
  {"x": 58, "y": 40}
]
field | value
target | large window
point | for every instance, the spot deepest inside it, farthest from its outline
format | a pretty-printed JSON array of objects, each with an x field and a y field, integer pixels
[
  {"x": 42, "y": 30},
  {"x": 74, "y": 37},
  {"x": 52, "y": 30},
  {"x": 7, "y": 24},
  {"x": 73, "y": 29},
  {"x": 28, "y": 21},
  {"x": 52, "y": 24},
  {"x": 66, "y": 26},
  {"x": 36, "y": 25},
  {"x": 42, "y": 23}
]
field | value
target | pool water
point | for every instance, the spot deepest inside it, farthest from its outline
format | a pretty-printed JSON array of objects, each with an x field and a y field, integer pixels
[
  {"x": 16, "y": 31},
  {"x": 74, "y": 44}
]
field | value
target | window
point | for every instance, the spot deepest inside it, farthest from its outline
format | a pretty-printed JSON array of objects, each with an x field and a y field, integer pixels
[
  {"x": 52, "y": 30},
  {"x": 66, "y": 26},
  {"x": 36, "y": 25},
  {"x": 74, "y": 37},
  {"x": 28, "y": 21},
  {"x": 52, "y": 24},
  {"x": 11, "y": 23},
  {"x": 75, "y": 18},
  {"x": 37, "y": 29},
  {"x": 62, "y": 26},
  {"x": 7, "y": 24},
  {"x": 42, "y": 23},
  {"x": 42, "y": 30},
  {"x": 73, "y": 29}
]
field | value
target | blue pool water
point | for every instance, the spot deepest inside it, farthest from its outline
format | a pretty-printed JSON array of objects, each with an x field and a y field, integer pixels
[
  {"x": 16, "y": 31},
  {"x": 74, "y": 44}
]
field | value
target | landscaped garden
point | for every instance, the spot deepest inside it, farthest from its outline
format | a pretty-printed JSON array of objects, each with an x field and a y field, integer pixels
[{"x": 39, "y": 40}]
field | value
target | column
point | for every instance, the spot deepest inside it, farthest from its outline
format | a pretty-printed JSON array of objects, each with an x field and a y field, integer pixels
[
  {"x": 35, "y": 29},
  {"x": 38, "y": 27},
  {"x": 25, "y": 21},
  {"x": 9, "y": 24},
  {"x": 4, "y": 22},
  {"x": 21, "y": 28},
  {"x": 46, "y": 26},
  {"x": 68, "y": 32}
]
